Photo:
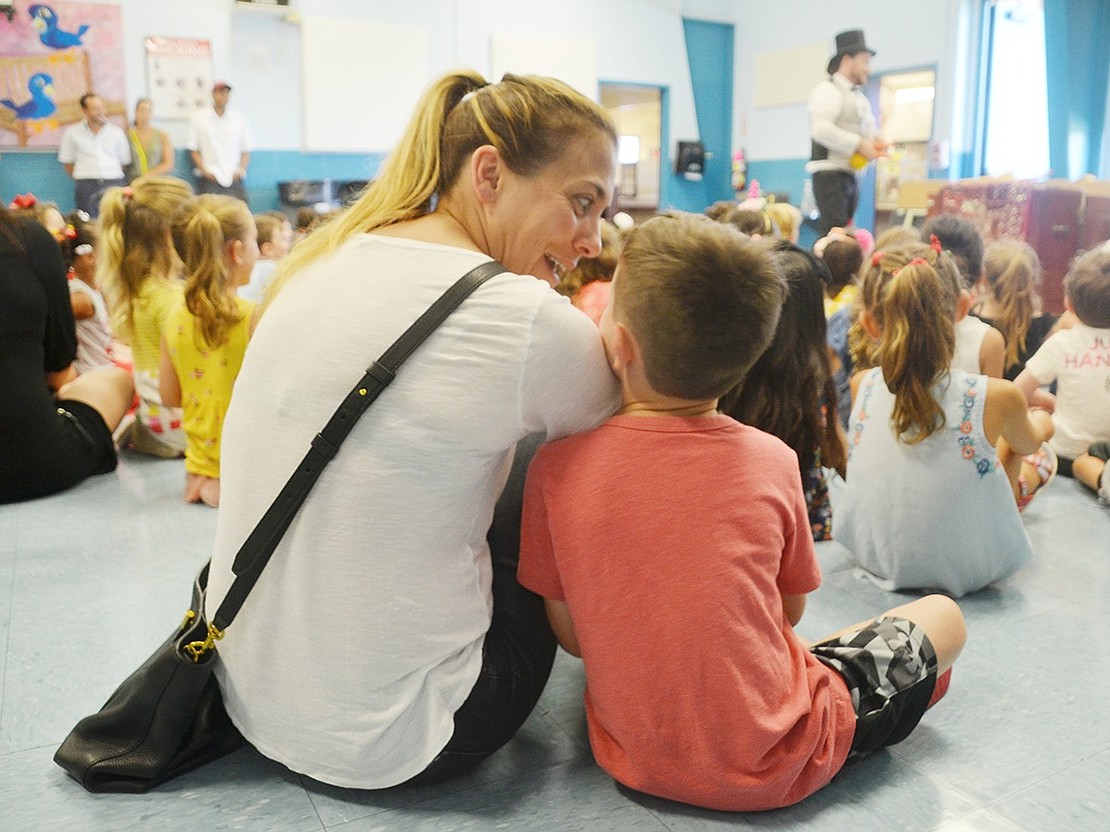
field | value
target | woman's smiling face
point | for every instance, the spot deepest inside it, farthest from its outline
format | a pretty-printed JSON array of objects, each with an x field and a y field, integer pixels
[{"x": 543, "y": 223}]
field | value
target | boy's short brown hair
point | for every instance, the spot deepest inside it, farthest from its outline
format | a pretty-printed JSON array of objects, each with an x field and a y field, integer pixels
[
  {"x": 1087, "y": 286},
  {"x": 701, "y": 299}
]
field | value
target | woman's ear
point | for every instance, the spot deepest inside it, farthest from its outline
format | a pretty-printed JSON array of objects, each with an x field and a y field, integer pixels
[{"x": 486, "y": 172}]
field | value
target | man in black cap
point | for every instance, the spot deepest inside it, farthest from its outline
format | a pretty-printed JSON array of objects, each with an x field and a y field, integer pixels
[
  {"x": 843, "y": 132},
  {"x": 220, "y": 143}
]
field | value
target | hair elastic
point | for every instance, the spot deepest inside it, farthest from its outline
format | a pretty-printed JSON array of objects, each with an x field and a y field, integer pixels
[
  {"x": 877, "y": 258},
  {"x": 917, "y": 261}
]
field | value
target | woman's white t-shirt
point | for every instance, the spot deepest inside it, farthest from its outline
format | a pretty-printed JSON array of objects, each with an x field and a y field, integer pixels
[{"x": 364, "y": 633}]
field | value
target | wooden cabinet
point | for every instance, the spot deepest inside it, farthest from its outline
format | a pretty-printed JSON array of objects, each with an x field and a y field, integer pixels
[{"x": 1056, "y": 219}]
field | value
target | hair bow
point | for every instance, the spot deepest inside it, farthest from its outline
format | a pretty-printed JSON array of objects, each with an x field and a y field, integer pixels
[{"x": 23, "y": 201}]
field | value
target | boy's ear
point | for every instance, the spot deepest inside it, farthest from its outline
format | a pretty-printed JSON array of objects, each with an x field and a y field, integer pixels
[
  {"x": 485, "y": 172},
  {"x": 622, "y": 348},
  {"x": 870, "y": 325}
]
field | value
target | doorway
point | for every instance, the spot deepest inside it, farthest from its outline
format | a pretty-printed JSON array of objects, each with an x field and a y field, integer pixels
[
  {"x": 637, "y": 110},
  {"x": 903, "y": 101}
]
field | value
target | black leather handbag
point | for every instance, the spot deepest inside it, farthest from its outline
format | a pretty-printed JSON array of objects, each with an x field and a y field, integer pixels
[{"x": 168, "y": 717}]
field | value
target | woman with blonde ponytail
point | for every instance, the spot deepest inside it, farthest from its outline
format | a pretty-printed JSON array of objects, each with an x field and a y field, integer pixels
[
  {"x": 205, "y": 338},
  {"x": 936, "y": 472},
  {"x": 407, "y": 646},
  {"x": 1010, "y": 301},
  {"x": 140, "y": 276}
]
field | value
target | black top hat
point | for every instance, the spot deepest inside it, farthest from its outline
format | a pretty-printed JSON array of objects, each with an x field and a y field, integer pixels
[{"x": 848, "y": 43}]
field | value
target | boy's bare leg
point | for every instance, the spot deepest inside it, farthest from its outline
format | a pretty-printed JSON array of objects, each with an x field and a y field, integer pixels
[{"x": 938, "y": 615}]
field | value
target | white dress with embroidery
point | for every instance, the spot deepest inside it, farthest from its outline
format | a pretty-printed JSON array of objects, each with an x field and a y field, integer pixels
[{"x": 936, "y": 515}]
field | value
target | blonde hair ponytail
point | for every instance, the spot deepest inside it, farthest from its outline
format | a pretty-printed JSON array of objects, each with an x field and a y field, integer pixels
[
  {"x": 133, "y": 245},
  {"x": 202, "y": 229},
  {"x": 529, "y": 119},
  {"x": 1012, "y": 270},
  {"x": 913, "y": 294}
]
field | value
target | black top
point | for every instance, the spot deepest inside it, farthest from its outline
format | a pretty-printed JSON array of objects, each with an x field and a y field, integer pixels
[
  {"x": 37, "y": 333},
  {"x": 1039, "y": 326}
]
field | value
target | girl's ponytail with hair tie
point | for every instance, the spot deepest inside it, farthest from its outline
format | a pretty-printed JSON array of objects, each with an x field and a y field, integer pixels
[
  {"x": 917, "y": 261},
  {"x": 935, "y": 244},
  {"x": 128, "y": 194},
  {"x": 877, "y": 258}
]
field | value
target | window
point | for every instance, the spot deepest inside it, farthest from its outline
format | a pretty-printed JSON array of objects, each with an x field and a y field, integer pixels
[{"x": 1015, "y": 136}]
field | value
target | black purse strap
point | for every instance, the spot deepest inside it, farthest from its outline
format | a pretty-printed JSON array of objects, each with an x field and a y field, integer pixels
[{"x": 255, "y": 552}]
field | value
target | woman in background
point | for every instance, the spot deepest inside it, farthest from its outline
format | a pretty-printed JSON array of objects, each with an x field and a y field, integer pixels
[{"x": 151, "y": 149}]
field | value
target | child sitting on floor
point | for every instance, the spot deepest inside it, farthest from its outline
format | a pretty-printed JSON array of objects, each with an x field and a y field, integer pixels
[
  {"x": 980, "y": 348},
  {"x": 1009, "y": 301},
  {"x": 929, "y": 502},
  {"x": 204, "y": 339},
  {"x": 1078, "y": 360},
  {"x": 275, "y": 238},
  {"x": 790, "y": 393},
  {"x": 680, "y": 582}
]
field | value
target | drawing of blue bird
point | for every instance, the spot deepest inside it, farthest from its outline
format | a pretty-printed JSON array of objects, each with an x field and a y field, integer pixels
[
  {"x": 45, "y": 21},
  {"x": 41, "y": 104}
]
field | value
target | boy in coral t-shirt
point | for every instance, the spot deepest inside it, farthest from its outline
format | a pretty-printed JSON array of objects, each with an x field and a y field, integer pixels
[{"x": 681, "y": 569}]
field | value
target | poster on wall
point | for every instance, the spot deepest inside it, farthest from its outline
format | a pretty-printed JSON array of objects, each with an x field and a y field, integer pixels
[
  {"x": 51, "y": 55},
  {"x": 179, "y": 75}
]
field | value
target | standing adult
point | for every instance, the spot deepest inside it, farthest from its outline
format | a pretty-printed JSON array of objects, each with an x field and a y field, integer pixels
[
  {"x": 151, "y": 148},
  {"x": 94, "y": 152},
  {"x": 220, "y": 143},
  {"x": 55, "y": 427},
  {"x": 407, "y": 645},
  {"x": 842, "y": 130}
]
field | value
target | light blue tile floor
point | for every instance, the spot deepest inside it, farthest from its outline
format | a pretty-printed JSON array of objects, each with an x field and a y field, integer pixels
[{"x": 91, "y": 581}]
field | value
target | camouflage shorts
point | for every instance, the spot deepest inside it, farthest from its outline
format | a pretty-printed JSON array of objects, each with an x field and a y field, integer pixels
[{"x": 890, "y": 669}]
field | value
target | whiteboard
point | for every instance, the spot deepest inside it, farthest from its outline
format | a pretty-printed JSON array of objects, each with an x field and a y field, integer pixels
[
  {"x": 787, "y": 76},
  {"x": 361, "y": 82},
  {"x": 571, "y": 61}
]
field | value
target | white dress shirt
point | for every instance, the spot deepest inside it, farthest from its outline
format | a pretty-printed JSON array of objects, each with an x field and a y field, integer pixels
[{"x": 100, "y": 155}]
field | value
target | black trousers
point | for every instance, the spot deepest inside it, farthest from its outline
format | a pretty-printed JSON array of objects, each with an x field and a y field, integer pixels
[
  {"x": 837, "y": 195},
  {"x": 87, "y": 193},
  {"x": 235, "y": 189},
  {"x": 518, "y": 651}
]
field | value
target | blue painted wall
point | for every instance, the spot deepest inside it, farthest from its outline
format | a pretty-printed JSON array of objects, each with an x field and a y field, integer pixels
[
  {"x": 40, "y": 173},
  {"x": 709, "y": 49}
]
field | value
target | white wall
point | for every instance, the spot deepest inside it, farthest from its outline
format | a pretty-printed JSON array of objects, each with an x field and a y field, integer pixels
[
  {"x": 639, "y": 41},
  {"x": 906, "y": 34}
]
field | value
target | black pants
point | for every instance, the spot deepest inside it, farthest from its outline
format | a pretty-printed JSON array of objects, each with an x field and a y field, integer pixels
[
  {"x": 518, "y": 651},
  {"x": 87, "y": 193},
  {"x": 837, "y": 194},
  {"x": 210, "y": 186}
]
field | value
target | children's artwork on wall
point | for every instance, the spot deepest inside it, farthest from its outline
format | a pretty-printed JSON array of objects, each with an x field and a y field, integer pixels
[
  {"x": 179, "y": 75},
  {"x": 51, "y": 55}
]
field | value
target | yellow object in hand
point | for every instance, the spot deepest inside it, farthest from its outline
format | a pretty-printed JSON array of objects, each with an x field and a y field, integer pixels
[{"x": 858, "y": 161}]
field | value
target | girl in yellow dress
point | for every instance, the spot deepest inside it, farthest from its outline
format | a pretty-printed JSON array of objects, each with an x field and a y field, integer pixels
[
  {"x": 204, "y": 339},
  {"x": 139, "y": 274}
]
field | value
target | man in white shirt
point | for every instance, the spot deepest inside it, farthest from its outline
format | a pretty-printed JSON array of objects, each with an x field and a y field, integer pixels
[
  {"x": 843, "y": 132},
  {"x": 94, "y": 152},
  {"x": 220, "y": 143}
]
